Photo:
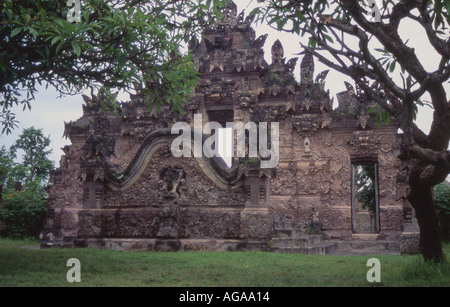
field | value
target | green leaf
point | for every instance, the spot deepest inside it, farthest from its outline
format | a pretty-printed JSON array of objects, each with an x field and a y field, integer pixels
[
  {"x": 33, "y": 32},
  {"x": 296, "y": 27},
  {"x": 76, "y": 47},
  {"x": 328, "y": 38},
  {"x": 281, "y": 23},
  {"x": 312, "y": 42},
  {"x": 60, "y": 45},
  {"x": 26, "y": 18},
  {"x": 16, "y": 31},
  {"x": 373, "y": 109},
  {"x": 392, "y": 66},
  {"x": 273, "y": 19},
  {"x": 55, "y": 39},
  {"x": 387, "y": 118}
]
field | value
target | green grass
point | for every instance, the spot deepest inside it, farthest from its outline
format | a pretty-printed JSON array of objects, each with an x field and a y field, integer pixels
[{"x": 100, "y": 267}]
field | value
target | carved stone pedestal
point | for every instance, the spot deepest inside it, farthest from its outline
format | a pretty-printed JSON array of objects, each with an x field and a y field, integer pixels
[
  {"x": 409, "y": 239},
  {"x": 409, "y": 243},
  {"x": 256, "y": 223},
  {"x": 256, "y": 218}
]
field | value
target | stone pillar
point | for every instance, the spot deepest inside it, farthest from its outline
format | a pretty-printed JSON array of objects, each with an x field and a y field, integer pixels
[
  {"x": 256, "y": 218},
  {"x": 409, "y": 239}
]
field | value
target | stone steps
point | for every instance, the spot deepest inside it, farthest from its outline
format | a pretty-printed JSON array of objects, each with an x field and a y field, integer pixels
[
  {"x": 380, "y": 247},
  {"x": 298, "y": 241},
  {"x": 291, "y": 239},
  {"x": 322, "y": 248},
  {"x": 288, "y": 232}
]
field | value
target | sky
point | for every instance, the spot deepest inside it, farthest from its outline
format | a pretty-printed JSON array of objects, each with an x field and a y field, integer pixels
[{"x": 50, "y": 112}]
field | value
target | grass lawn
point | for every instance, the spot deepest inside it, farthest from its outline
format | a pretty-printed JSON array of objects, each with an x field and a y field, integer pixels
[{"x": 35, "y": 267}]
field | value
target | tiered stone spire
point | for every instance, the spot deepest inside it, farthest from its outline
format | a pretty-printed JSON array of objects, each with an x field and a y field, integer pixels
[{"x": 307, "y": 69}]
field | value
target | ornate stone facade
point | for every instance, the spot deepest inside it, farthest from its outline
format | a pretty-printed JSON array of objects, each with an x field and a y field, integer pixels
[{"x": 118, "y": 185}]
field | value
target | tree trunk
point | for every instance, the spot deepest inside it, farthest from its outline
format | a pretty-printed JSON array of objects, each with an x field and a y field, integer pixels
[{"x": 421, "y": 197}]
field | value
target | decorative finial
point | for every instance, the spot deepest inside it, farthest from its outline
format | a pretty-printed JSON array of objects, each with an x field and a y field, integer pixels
[
  {"x": 229, "y": 14},
  {"x": 277, "y": 52},
  {"x": 307, "y": 68}
]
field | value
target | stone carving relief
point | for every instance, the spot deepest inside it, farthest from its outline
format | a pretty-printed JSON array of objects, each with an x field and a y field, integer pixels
[
  {"x": 283, "y": 184},
  {"x": 307, "y": 124},
  {"x": 316, "y": 224},
  {"x": 218, "y": 88},
  {"x": 313, "y": 180},
  {"x": 268, "y": 114},
  {"x": 307, "y": 145},
  {"x": 167, "y": 219},
  {"x": 212, "y": 224},
  {"x": 172, "y": 183},
  {"x": 364, "y": 140}
]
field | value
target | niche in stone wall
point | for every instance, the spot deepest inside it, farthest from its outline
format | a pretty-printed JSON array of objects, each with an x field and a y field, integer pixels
[
  {"x": 257, "y": 189},
  {"x": 364, "y": 195},
  {"x": 93, "y": 194}
]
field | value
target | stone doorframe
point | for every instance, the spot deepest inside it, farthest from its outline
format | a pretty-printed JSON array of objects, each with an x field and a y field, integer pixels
[{"x": 364, "y": 160}]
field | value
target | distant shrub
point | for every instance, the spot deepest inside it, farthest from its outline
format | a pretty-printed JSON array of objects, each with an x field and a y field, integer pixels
[
  {"x": 22, "y": 214},
  {"x": 442, "y": 193}
]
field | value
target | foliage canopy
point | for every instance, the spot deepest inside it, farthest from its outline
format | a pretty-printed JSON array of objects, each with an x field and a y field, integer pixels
[
  {"x": 23, "y": 204},
  {"x": 132, "y": 45}
]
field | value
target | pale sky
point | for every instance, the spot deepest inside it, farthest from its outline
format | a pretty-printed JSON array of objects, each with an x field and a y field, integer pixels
[{"x": 49, "y": 112}]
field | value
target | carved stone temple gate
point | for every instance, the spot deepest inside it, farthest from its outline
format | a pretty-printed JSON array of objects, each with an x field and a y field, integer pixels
[{"x": 119, "y": 186}]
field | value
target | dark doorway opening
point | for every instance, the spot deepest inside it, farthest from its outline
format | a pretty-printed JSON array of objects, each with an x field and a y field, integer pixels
[{"x": 365, "y": 199}]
